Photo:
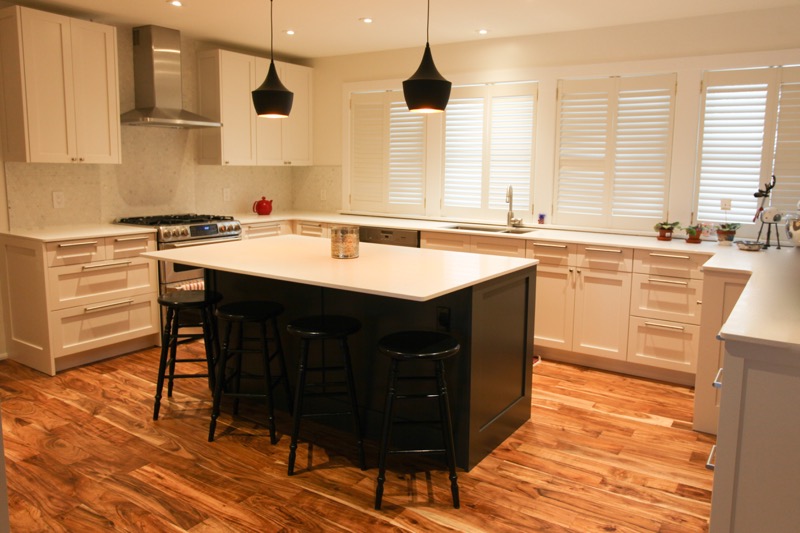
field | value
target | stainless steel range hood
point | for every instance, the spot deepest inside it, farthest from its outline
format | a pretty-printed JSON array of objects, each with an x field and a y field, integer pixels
[{"x": 157, "y": 82}]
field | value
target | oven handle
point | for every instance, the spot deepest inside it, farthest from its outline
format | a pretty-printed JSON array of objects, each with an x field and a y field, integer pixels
[{"x": 198, "y": 243}]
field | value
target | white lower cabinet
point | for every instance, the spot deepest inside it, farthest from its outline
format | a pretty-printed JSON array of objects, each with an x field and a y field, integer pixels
[
  {"x": 77, "y": 301},
  {"x": 311, "y": 229},
  {"x": 601, "y": 313},
  {"x": 473, "y": 243}
]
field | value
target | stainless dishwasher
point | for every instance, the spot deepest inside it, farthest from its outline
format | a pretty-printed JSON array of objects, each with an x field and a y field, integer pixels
[{"x": 395, "y": 237}]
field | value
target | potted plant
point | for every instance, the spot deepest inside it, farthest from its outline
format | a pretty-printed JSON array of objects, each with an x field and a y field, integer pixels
[
  {"x": 665, "y": 230},
  {"x": 695, "y": 231},
  {"x": 726, "y": 232}
]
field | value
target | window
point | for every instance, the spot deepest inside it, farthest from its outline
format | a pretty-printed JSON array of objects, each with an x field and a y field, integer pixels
[
  {"x": 486, "y": 144},
  {"x": 750, "y": 131},
  {"x": 614, "y": 144}
]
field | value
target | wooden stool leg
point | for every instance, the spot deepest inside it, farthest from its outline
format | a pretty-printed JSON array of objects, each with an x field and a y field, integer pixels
[
  {"x": 268, "y": 383},
  {"x": 210, "y": 340},
  {"x": 219, "y": 381},
  {"x": 351, "y": 391},
  {"x": 162, "y": 363},
  {"x": 447, "y": 432},
  {"x": 173, "y": 350},
  {"x": 386, "y": 432},
  {"x": 298, "y": 404}
]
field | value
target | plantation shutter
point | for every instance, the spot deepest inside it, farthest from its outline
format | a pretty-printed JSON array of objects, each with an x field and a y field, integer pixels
[
  {"x": 488, "y": 145},
  {"x": 750, "y": 131},
  {"x": 387, "y": 163},
  {"x": 614, "y": 144}
]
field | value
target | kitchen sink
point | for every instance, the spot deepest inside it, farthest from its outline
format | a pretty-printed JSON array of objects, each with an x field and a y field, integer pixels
[{"x": 492, "y": 229}]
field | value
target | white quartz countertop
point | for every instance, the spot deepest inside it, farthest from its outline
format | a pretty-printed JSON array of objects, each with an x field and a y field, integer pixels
[
  {"x": 82, "y": 231},
  {"x": 399, "y": 272}
]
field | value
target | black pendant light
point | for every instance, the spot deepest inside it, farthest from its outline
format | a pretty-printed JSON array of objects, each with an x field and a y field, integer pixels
[
  {"x": 272, "y": 99},
  {"x": 426, "y": 91}
]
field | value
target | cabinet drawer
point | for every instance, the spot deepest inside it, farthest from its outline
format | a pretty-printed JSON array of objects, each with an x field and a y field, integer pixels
[
  {"x": 663, "y": 344},
  {"x": 605, "y": 258},
  {"x": 444, "y": 241},
  {"x": 130, "y": 245},
  {"x": 266, "y": 229},
  {"x": 665, "y": 298},
  {"x": 88, "y": 283},
  {"x": 674, "y": 264},
  {"x": 75, "y": 252},
  {"x": 82, "y": 328},
  {"x": 311, "y": 229},
  {"x": 552, "y": 253},
  {"x": 497, "y": 246}
]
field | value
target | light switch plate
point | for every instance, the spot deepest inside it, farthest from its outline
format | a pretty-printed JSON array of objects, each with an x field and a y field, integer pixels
[{"x": 725, "y": 204}]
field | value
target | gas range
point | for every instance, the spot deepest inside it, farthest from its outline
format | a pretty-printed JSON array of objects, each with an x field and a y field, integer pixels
[{"x": 188, "y": 227}]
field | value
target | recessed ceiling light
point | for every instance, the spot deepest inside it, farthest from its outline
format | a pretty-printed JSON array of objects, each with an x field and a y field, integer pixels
[
  {"x": 175, "y": 3},
  {"x": 289, "y": 32},
  {"x": 482, "y": 32},
  {"x": 366, "y": 20}
]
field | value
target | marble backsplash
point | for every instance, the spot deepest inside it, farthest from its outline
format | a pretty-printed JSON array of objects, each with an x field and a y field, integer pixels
[{"x": 159, "y": 174}]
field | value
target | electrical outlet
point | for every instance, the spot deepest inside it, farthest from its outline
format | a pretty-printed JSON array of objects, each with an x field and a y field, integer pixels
[
  {"x": 58, "y": 199},
  {"x": 725, "y": 204},
  {"x": 226, "y": 194}
]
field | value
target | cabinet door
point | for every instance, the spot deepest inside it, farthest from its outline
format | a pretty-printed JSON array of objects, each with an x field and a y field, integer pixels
[
  {"x": 444, "y": 241},
  {"x": 94, "y": 67},
  {"x": 237, "y": 80},
  {"x": 497, "y": 246},
  {"x": 602, "y": 299},
  {"x": 269, "y": 136},
  {"x": 296, "y": 128},
  {"x": 555, "y": 297},
  {"x": 48, "y": 87}
]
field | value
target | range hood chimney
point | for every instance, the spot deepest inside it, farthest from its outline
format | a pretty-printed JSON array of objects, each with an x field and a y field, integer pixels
[{"x": 157, "y": 82}]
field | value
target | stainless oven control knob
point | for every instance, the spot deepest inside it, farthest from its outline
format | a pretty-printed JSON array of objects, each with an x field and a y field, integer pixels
[
  {"x": 184, "y": 232},
  {"x": 223, "y": 228}
]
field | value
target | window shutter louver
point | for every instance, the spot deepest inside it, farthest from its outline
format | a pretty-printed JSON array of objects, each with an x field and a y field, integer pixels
[
  {"x": 511, "y": 151},
  {"x": 786, "y": 193},
  {"x": 463, "y": 152},
  {"x": 367, "y": 152},
  {"x": 406, "y": 156}
]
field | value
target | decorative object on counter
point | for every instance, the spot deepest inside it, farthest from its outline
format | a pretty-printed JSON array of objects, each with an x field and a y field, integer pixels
[
  {"x": 793, "y": 226},
  {"x": 541, "y": 218},
  {"x": 426, "y": 91},
  {"x": 749, "y": 246},
  {"x": 272, "y": 99},
  {"x": 344, "y": 242},
  {"x": 726, "y": 232},
  {"x": 769, "y": 216},
  {"x": 665, "y": 230},
  {"x": 695, "y": 231},
  {"x": 263, "y": 206}
]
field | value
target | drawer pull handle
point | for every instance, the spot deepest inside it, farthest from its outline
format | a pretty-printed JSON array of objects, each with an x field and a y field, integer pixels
[
  {"x": 544, "y": 245},
  {"x": 717, "y": 383},
  {"x": 73, "y": 244},
  {"x": 606, "y": 250},
  {"x": 711, "y": 458},
  {"x": 671, "y": 256},
  {"x": 128, "y": 239},
  {"x": 665, "y": 326},
  {"x": 669, "y": 281},
  {"x": 106, "y": 306},
  {"x": 107, "y": 265}
]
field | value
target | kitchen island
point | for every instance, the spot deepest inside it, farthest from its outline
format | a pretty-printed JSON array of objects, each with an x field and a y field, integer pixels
[{"x": 486, "y": 301}]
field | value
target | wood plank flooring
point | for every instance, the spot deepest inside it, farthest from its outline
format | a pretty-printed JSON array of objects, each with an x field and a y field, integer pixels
[{"x": 602, "y": 452}]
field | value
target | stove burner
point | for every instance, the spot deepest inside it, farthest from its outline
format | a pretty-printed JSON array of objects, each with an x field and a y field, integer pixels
[{"x": 165, "y": 220}]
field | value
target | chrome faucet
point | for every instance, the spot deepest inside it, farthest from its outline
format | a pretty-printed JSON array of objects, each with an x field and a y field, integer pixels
[{"x": 510, "y": 220}]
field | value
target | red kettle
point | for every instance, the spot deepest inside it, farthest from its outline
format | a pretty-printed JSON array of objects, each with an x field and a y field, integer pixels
[{"x": 263, "y": 206}]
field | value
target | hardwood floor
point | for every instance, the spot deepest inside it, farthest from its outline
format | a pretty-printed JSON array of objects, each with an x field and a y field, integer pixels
[{"x": 602, "y": 452}]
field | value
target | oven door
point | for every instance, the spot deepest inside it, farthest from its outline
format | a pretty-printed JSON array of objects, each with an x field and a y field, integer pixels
[{"x": 174, "y": 274}]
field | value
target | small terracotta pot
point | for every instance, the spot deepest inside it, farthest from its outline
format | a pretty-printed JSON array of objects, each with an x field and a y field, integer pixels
[
  {"x": 725, "y": 237},
  {"x": 694, "y": 239},
  {"x": 665, "y": 235}
]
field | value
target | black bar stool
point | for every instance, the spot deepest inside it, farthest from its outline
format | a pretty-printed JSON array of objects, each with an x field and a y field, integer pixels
[
  {"x": 323, "y": 328},
  {"x": 416, "y": 346},
  {"x": 186, "y": 309},
  {"x": 260, "y": 314}
]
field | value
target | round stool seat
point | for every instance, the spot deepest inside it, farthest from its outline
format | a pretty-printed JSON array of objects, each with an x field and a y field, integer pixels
[
  {"x": 249, "y": 311},
  {"x": 429, "y": 345},
  {"x": 189, "y": 299},
  {"x": 323, "y": 326}
]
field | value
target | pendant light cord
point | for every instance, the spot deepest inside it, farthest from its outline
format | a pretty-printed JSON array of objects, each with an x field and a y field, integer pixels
[
  {"x": 271, "y": 33},
  {"x": 428, "y": 28}
]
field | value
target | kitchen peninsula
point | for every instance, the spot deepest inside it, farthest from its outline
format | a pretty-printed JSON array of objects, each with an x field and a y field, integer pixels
[{"x": 486, "y": 301}]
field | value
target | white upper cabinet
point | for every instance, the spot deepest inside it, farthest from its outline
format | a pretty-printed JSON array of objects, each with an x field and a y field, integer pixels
[
  {"x": 226, "y": 81},
  {"x": 60, "y": 89}
]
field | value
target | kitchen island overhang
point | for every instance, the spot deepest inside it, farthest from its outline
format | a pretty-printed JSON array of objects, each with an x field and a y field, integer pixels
[{"x": 486, "y": 301}]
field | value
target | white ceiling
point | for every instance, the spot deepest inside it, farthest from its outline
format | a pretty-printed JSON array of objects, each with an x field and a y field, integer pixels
[{"x": 331, "y": 27}]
